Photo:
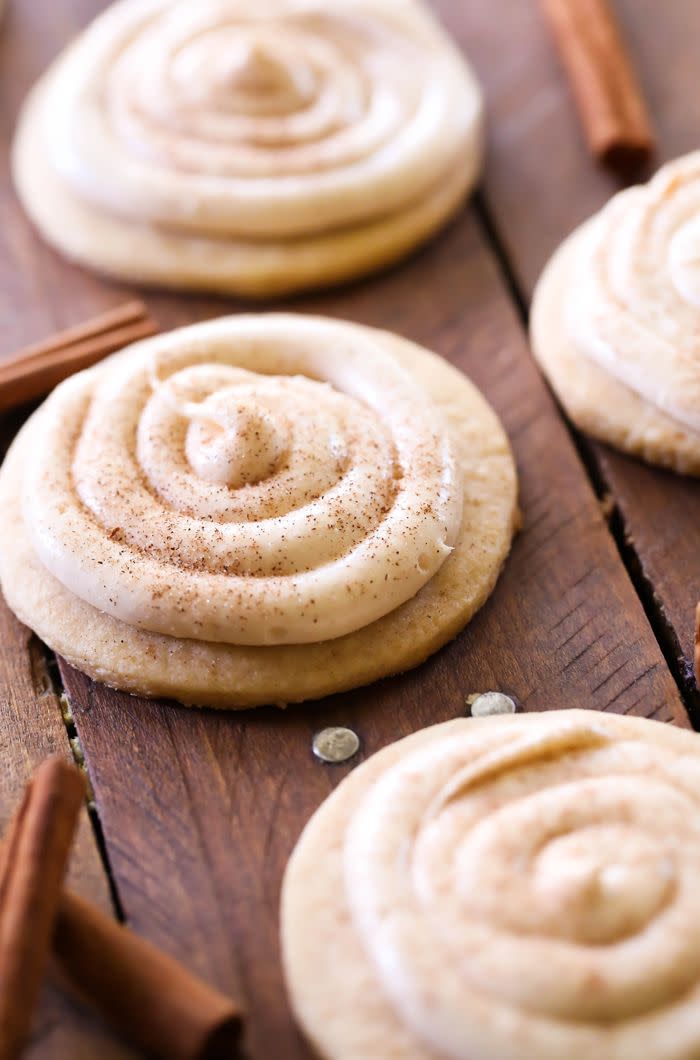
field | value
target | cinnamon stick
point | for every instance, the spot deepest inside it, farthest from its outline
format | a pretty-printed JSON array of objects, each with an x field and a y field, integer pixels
[
  {"x": 149, "y": 998},
  {"x": 32, "y": 868},
  {"x": 606, "y": 90},
  {"x": 146, "y": 995},
  {"x": 129, "y": 313},
  {"x": 33, "y": 371}
]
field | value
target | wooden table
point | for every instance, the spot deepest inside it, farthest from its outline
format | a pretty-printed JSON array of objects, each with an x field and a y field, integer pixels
[{"x": 195, "y": 812}]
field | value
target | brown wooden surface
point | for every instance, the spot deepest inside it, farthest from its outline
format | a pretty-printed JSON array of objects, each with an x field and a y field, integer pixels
[
  {"x": 31, "y": 727},
  {"x": 540, "y": 182},
  {"x": 200, "y": 810}
]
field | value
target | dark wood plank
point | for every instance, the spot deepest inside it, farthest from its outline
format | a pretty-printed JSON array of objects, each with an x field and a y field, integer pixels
[
  {"x": 196, "y": 804},
  {"x": 199, "y": 809},
  {"x": 541, "y": 182}
]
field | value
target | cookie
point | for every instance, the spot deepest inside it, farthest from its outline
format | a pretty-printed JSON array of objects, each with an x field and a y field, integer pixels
[
  {"x": 500, "y": 888},
  {"x": 258, "y": 509},
  {"x": 615, "y": 321},
  {"x": 249, "y": 149}
]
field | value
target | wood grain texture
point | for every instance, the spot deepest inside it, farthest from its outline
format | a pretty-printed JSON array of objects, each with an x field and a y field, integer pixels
[
  {"x": 540, "y": 183},
  {"x": 200, "y": 810},
  {"x": 31, "y": 727}
]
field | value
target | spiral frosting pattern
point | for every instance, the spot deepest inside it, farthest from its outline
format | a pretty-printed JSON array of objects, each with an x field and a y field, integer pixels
[
  {"x": 250, "y": 147},
  {"x": 287, "y": 485},
  {"x": 637, "y": 309},
  {"x": 511, "y": 887},
  {"x": 616, "y": 314},
  {"x": 257, "y": 509}
]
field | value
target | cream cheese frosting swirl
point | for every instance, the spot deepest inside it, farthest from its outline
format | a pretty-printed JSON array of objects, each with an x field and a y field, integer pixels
[
  {"x": 254, "y": 481},
  {"x": 633, "y": 304},
  {"x": 250, "y": 147},
  {"x": 256, "y": 510},
  {"x": 505, "y": 888}
]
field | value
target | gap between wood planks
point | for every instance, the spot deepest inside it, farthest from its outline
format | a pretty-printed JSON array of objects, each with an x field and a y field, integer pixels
[
  {"x": 55, "y": 681},
  {"x": 661, "y": 627},
  {"x": 42, "y": 657}
]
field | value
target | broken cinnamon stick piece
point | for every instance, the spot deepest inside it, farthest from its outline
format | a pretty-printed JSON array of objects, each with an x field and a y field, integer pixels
[
  {"x": 122, "y": 316},
  {"x": 33, "y": 371},
  {"x": 146, "y": 995},
  {"x": 606, "y": 90},
  {"x": 32, "y": 868}
]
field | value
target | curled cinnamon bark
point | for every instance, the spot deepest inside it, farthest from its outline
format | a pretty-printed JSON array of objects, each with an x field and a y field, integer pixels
[
  {"x": 31, "y": 372},
  {"x": 146, "y": 995},
  {"x": 33, "y": 863}
]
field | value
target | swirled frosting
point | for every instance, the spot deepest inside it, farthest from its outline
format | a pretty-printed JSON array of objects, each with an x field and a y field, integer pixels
[
  {"x": 256, "y": 510},
  {"x": 254, "y": 147},
  {"x": 510, "y": 888},
  {"x": 633, "y": 298},
  {"x": 253, "y": 481}
]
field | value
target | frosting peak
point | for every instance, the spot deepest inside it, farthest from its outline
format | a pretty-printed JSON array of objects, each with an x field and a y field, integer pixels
[
  {"x": 255, "y": 68},
  {"x": 233, "y": 441}
]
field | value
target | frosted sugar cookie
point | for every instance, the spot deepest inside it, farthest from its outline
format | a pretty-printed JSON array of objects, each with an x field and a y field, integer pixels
[
  {"x": 248, "y": 148},
  {"x": 616, "y": 320},
  {"x": 507, "y": 888},
  {"x": 257, "y": 509}
]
